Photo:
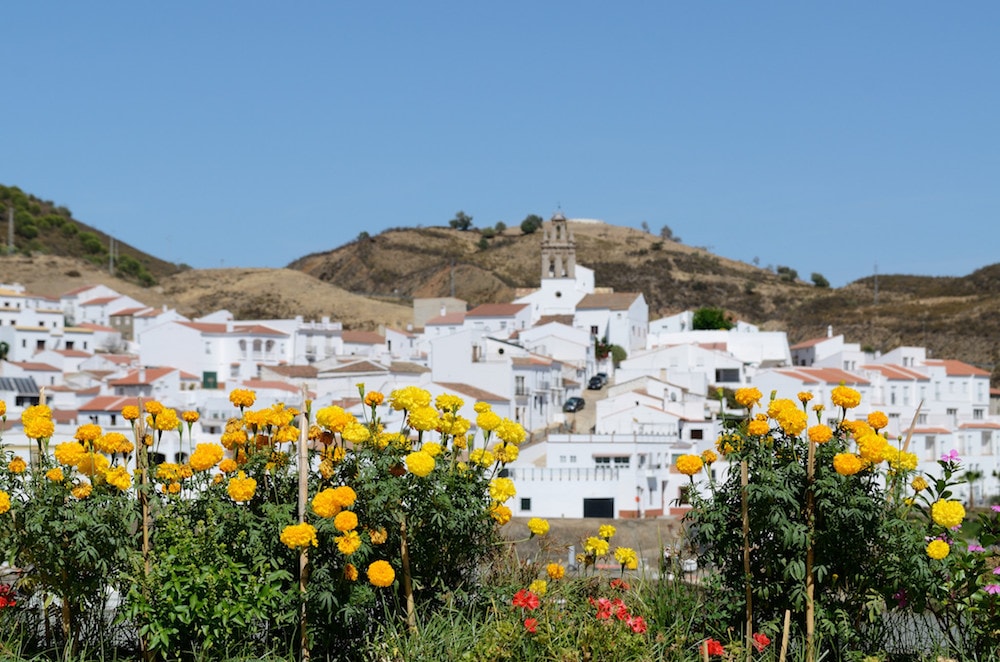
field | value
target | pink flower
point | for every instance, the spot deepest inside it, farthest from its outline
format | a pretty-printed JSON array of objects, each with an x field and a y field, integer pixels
[
  {"x": 996, "y": 570},
  {"x": 992, "y": 589},
  {"x": 995, "y": 509},
  {"x": 638, "y": 624},
  {"x": 973, "y": 547},
  {"x": 530, "y": 624},
  {"x": 951, "y": 456}
]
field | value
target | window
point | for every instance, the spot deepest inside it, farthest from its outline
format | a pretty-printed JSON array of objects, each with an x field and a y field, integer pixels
[
  {"x": 697, "y": 433},
  {"x": 526, "y": 504},
  {"x": 602, "y": 461},
  {"x": 519, "y": 385},
  {"x": 977, "y": 413},
  {"x": 593, "y": 330},
  {"x": 623, "y": 461},
  {"x": 39, "y": 345}
]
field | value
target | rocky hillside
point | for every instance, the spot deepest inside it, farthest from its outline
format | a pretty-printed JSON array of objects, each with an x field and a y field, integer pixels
[{"x": 952, "y": 317}]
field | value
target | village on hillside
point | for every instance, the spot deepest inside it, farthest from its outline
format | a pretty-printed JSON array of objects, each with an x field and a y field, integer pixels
[{"x": 602, "y": 436}]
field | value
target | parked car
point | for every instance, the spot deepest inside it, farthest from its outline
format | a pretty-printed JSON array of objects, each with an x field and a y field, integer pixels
[
  {"x": 595, "y": 383},
  {"x": 603, "y": 376},
  {"x": 573, "y": 404}
]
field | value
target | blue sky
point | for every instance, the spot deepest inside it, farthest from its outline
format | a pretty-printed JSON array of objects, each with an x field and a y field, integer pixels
[{"x": 828, "y": 137}]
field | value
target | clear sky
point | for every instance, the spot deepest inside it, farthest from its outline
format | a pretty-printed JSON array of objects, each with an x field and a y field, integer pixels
[{"x": 827, "y": 137}]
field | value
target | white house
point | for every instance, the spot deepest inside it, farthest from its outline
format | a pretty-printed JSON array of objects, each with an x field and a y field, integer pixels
[{"x": 619, "y": 318}]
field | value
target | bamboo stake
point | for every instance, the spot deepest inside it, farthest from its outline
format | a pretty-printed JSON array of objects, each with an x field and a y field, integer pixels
[
  {"x": 303, "y": 458},
  {"x": 404, "y": 549},
  {"x": 745, "y": 482},
  {"x": 142, "y": 466},
  {"x": 784, "y": 636},
  {"x": 810, "y": 581}
]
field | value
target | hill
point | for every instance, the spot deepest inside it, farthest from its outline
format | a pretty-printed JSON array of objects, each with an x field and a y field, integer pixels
[{"x": 952, "y": 317}]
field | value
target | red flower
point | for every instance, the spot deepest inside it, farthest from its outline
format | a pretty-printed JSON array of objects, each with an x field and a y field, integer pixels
[
  {"x": 530, "y": 624},
  {"x": 760, "y": 641},
  {"x": 620, "y": 584},
  {"x": 714, "y": 647},
  {"x": 526, "y": 599},
  {"x": 603, "y": 609},
  {"x": 638, "y": 624}
]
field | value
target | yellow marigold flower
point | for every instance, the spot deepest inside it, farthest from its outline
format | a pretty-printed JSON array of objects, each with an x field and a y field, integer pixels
[
  {"x": 845, "y": 397},
  {"x": 873, "y": 448},
  {"x": 119, "y": 477},
  {"x": 596, "y": 546},
  {"x": 3, "y": 408},
  {"x": 709, "y": 456},
  {"x": 758, "y": 427},
  {"x": 555, "y": 571},
  {"x": 901, "y": 460},
  {"x": 166, "y": 420},
  {"x": 878, "y": 420},
  {"x": 184, "y": 471},
  {"x": 152, "y": 407},
  {"x": 4, "y": 502},
  {"x": 39, "y": 428},
  {"x": 130, "y": 412},
  {"x": 511, "y": 432},
  {"x": 242, "y": 397},
  {"x": 627, "y": 558},
  {"x": 297, "y": 536},
  {"x": 818, "y": 408},
  {"x": 606, "y": 531},
  {"x": 345, "y": 520},
  {"x": 348, "y": 543},
  {"x": 17, "y": 465},
  {"x": 689, "y": 465},
  {"x": 488, "y": 421},
  {"x": 748, "y": 397},
  {"x": 190, "y": 416},
  {"x": 227, "y": 466},
  {"x": 424, "y": 418},
  {"x": 538, "y": 526},
  {"x": 502, "y": 489},
  {"x": 948, "y": 514},
  {"x": 374, "y": 398},
  {"x": 432, "y": 448},
  {"x": 55, "y": 475},
  {"x": 345, "y": 495},
  {"x": 793, "y": 421},
  {"x": 937, "y": 549},
  {"x": 378, "y": 537},
  {"x": 241, "y": 488},
  {"x": 173, "y": 488},
  {"x": 92, "y": 464},
  {"x": 234, "y": 435},
  {"x": 350, "y": 572},
  {"x": 409, "y": 398},
  {"x": 453, "y": 424},
  {"x": 805, "y": 396},
  {"x": 356, "y": 433},
  {"x": 448, "y": 402},
  {"x": 461, "y": 442},
  {"x": 113, "y": 442},
  {"x": 500, "y": 513},
  {"x": 779, "y": 405},
  {"x": 919, "y": 483},
  {"x": 69, "y": 453},
  {"x": 380, "y": 573},
  {"x": 538, "y": 587},
  {"x": 481, "y": 407},
  {"x": 420, "y": 463},
  {"x": 256, "y": 419},
  {"x": 87, "y": 433},
  {"x": 505, "y": 452},
  {"x": 325, "y": 503},
  {"x": 847, "y": 464},
  {"x": 206, "y": 456},
  {"x": 334, "y": 418},
  {"x": 482, "y": 457},
  {"x": 820, "y": 434},
  {"x": 286, "y": 434},
  {"x": 82, "y": 491},
  {"x": 167, "y": 471}
]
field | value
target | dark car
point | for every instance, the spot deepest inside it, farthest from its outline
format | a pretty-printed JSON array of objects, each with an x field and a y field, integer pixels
[
  {"x": 574, "y": 404},
  {"x": 595, "y": 383},
  {"x": 603, "y": 376}
]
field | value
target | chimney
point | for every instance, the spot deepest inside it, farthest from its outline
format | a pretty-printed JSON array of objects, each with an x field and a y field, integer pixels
[{"x": 829, "y": 331}]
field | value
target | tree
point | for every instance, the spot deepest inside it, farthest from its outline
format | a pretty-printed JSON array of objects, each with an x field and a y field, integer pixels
[
  {"x": 787, "y": 273},
  {"x": 668, "y": 234},
  {"x": 711, "y": 318},
  {"x": 531, "y": 223},
  {"x": 645, "y": 227},
  {"x": 819, "y": 281},
  {"x": 500, "y": 227},
  {"x": 462, "y": 221}
]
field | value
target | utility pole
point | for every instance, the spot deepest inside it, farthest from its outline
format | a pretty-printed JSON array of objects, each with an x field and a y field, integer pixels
[
  {"x": 111, "y": 255},
  {"x": 10, "y": 228},
  {"x": 876, "y": 283}
]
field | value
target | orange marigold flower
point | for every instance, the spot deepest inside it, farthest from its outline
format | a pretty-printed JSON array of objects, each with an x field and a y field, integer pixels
[
  {"x": 130, "y": 412},
  {"x": 689, "y": 465},
  {"x": 748, "y": 397},
  {"x": 878, "y": 420},
  {"x": 190, "y": 416},
  {"x": 152, "y": 407},
  {"x": 242, "y": 397},
  {"x": 820, "y": 434},
  {"x": 374, "y": 398},
  {"x": 846, "y": 397},
  {"x": 381, "y": 574}
]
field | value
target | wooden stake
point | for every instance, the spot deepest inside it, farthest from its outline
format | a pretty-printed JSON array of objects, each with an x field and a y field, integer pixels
[
  {"x": 404, "y": 551},
  {"x": 784, "y": 636},
  {"x": 303, "y": 466},
  {"x": 745, "y": 482},
  {"x": 810, "y": 581}
]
